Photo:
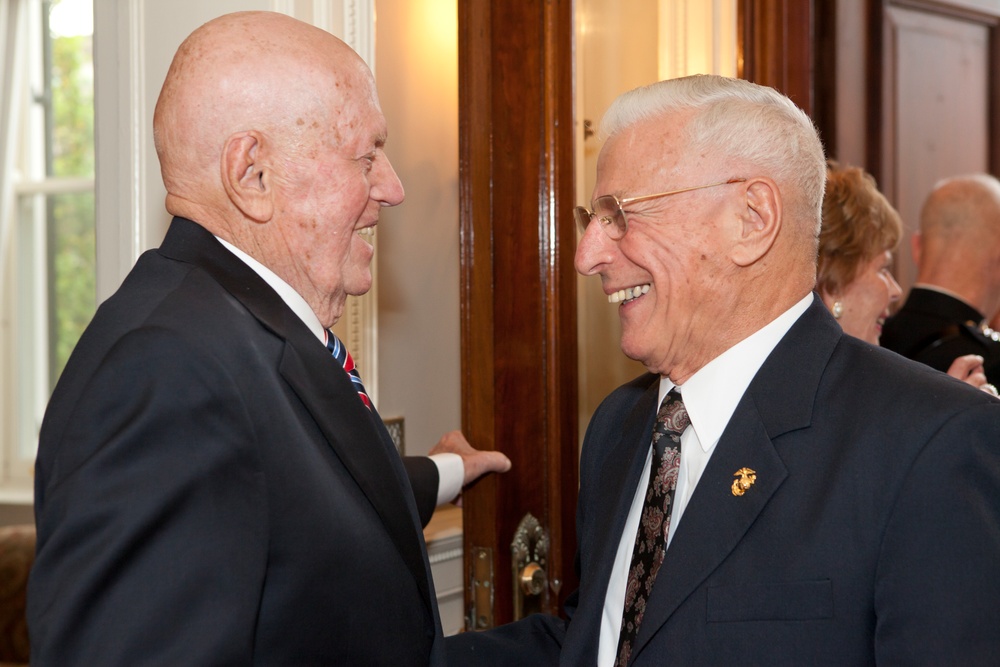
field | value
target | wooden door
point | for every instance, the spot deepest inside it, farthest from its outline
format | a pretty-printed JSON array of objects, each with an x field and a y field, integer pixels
[
  {"x": 776, "y": 47},
  {"x": 519, "y": 380}
]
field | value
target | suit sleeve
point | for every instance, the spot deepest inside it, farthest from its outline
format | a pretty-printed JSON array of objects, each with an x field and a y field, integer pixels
[
  {"x": 937, "y": 595},
  {"x": 539, "y": 638},
  {"x": 423, "y": 476},
  {"x": 152, "y": 527},
  {"x": 534, "y": 640}
]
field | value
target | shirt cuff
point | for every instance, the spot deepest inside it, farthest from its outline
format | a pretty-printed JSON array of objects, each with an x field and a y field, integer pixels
[{"x": 451, "y": 474}]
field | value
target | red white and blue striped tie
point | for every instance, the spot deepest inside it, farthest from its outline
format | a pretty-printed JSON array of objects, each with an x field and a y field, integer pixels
[{"x": 340, "y": 353}]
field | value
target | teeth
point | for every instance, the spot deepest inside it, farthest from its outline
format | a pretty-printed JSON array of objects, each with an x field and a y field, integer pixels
[
  {"x": 628, "y": 294},
  {"x": 367, "y": 231}
]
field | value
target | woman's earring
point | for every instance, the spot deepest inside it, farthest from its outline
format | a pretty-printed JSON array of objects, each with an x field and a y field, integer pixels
[{"x": 838, "y": 309}]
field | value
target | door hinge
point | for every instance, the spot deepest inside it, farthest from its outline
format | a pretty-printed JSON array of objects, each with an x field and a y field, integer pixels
[{"x": 481, "y": 583}]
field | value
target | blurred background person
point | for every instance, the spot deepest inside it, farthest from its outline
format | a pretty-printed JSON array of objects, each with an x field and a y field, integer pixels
[
  {"x": 860, "y": 231},
  {"x": 957, "y": 252}
]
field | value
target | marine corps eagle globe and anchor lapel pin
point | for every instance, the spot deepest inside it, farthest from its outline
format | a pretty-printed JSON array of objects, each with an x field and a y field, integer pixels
[{"x": 745, "y": 479}]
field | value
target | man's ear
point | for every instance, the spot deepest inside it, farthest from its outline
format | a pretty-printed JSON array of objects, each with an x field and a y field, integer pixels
[
  {"x": 916, "y": 246},
  {"x": 244, "y": 177},
  {"x": 760, "y": 221}
]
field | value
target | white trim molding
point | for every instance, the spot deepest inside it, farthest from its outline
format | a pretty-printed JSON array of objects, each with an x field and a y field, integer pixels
[{"x": 119, "y": 129}]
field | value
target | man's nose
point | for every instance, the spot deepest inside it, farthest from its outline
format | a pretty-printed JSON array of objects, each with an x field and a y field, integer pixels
[
  {"x": 386, "y": 186},
  {"x": 594, "y": 250}
]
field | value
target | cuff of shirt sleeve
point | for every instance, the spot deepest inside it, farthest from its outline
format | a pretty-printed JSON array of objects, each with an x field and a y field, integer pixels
[{"x": 451, "y": 474}]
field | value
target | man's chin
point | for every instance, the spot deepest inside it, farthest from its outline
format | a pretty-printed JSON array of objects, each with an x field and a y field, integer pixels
[
  {"x": 631, "y": 350},
  {"x": 359, "y": 286}
]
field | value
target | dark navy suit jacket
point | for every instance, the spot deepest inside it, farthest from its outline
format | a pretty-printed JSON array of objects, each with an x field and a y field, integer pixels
[
  {"x": 210, "y": 490},
  {"x": 871, "y": 535}
]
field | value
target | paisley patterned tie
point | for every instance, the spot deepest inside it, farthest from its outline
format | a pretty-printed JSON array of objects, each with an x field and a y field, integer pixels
[
  {"x": 654, "y": 526},
  {"x": 340, "y": 353}
]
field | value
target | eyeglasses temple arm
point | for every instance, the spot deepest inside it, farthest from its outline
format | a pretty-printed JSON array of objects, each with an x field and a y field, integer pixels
[{"x": 632, "y": 200}]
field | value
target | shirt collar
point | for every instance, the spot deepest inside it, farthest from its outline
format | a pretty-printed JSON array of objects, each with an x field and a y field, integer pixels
[
  {"x": 713, "y": 392},
  {"x": 291, "y": 298}
]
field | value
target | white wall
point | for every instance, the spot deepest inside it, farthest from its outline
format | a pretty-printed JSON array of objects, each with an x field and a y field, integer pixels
[{"x": 416, "y": 69}]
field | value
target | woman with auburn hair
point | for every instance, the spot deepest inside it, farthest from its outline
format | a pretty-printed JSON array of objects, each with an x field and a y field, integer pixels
[{"x": 859, "y": 233}]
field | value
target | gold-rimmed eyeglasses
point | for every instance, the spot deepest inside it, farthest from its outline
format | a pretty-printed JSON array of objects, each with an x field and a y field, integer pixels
[{"x": 608, "y": 209}]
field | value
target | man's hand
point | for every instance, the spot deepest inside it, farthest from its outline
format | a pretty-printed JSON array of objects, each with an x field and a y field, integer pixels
[
  {"x": 477, "y": 463},
  {"x": 969, "y": 369}
]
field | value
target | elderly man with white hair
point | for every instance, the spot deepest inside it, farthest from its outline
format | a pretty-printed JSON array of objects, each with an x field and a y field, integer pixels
[{"x": 773, "y": 491}]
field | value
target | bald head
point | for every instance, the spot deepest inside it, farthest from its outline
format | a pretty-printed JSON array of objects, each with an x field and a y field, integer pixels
[
  {"x": 963, "y": 210},
  {"x": 257, "y": 71},
  {"x": 959, "y": 244},
  {"x": 270, "y": 136}
]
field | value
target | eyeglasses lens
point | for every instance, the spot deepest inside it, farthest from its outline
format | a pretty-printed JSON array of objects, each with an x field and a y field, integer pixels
[
  {"x": 607, "y": 212},
  {"x": 583, "y": 218}
]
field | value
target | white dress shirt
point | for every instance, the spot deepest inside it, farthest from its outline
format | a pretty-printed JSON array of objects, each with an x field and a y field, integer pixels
[
  {"x": 710, "y": 396},
  {"x": 451, "y": 469}
]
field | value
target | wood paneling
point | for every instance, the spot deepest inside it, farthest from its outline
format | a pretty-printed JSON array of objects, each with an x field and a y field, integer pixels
[
  {"x": 824, "y": 74},
  {"x": 938, "y": 77},
  {"x": 776, "y": 47},
  {"x": 518, "y": 315}
]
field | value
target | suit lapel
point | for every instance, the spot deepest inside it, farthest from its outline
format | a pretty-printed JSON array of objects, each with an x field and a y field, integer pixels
[
  {"x": 356, "y": 435},
  {"x": 620, "y": 469},
  {"x": 361, "y": 444},
  {"x": 715, "y": 520},
  {"x": 779, "y": 399}
]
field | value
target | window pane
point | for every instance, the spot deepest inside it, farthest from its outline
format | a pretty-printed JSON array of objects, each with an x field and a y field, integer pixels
[
  {"x": 70, "y": 217},
  {"x": 72, "y": 90},
  {"x": 51, "y": 251},
  {"x": 71, "y": 272}
]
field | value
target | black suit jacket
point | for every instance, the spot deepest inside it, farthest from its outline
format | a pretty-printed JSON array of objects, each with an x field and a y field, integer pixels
[
  {"x": 872, "y": 533},
  {"x": 210, "y": 490},
  {"x": 935, "y": 328}
]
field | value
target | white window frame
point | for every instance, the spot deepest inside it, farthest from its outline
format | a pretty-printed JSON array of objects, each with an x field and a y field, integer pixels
[{"x": 24, "y": 186}]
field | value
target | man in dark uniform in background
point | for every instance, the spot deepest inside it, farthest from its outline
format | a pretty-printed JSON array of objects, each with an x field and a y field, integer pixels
[{"x": 957, "y": 252}]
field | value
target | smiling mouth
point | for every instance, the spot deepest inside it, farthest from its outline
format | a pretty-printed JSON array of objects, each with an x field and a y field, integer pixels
[
  {"x": 626, "y": 295},
  {"x": 366, "y": 231}
]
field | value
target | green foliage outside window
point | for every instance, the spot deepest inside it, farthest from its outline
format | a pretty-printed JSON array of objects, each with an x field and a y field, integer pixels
[{"x": 72, "y": 272}]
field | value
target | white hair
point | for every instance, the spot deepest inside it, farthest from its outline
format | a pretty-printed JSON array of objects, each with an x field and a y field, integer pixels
[{"x": 740, "y": 120}]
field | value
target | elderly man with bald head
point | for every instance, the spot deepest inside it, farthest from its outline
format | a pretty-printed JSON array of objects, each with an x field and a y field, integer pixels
[
  {"x": 212, "y": 487},
  {"x": 773, "y": 491},
  {"x": 957, "y": 252}
]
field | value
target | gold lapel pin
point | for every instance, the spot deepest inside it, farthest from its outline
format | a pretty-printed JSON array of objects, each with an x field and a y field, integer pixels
[{"x": 746, "y": 478}]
